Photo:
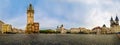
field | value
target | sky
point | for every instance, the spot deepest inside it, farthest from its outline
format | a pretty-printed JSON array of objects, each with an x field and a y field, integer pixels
[{"x": 53, "y": 13}]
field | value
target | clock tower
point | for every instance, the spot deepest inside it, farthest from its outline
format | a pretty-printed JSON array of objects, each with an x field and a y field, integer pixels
[
  {"x": 31, "y": 27},
  {"x": 30, "y": 15}
]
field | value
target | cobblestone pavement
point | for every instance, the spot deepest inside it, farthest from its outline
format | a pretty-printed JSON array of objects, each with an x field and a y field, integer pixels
[{"x": 58, "y": 39}]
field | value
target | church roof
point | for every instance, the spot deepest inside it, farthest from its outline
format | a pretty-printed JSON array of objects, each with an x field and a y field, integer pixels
[
  {"x": 1, "y": 22},
  {"x": 111, "y": 19},
  {"x": 116, "y": 19},
  {"x": 62, "y": 25},
  {"x": 104, "y": 25},
  {"x": 30, "y": 7}
]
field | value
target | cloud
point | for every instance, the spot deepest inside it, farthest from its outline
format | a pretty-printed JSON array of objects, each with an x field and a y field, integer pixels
[
  {"x": 100, "y": 14},
  {"x": 59, "y": 14},
  {"x": 71, "y": 13},
  {"x": 97, "y": 17},
  {"x": 77, "y": 13},
  {"x": 18, "y": 22}
]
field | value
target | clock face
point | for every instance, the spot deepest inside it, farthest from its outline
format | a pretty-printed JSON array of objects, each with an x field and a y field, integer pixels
[
  {"x": 31, "y": 14},
  {"x": 30, "y": 17}
]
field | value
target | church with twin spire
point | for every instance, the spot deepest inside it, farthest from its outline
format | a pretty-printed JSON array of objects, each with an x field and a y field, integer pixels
[
  {"x": 114, "y": 25},
  {"x": 115, "y": 22}
]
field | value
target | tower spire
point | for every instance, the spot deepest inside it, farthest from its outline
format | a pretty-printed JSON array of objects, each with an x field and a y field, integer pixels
[
  {"x": 116, "y": 19},
  {"x": 30, "y": 7},
  {"x": 30, "y": 14},
  {"x": 111, "y": 19}
]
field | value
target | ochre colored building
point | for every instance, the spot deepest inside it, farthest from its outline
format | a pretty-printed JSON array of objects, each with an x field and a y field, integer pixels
[
  {"x": 6, "y": 28},
  {"x": 1, "y": 23},
  {"x": 31, "y": 27}
]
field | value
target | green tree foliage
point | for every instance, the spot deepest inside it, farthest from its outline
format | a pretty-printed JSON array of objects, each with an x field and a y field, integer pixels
[{"x": 47, "y": 31}]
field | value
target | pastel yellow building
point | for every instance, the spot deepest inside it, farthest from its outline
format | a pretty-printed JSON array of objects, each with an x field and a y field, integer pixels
[
  {"x": 79, "y": 30},
  {"x": 1, "y": 23},
  {"x": 6, "y": 28},
  {"x": 15, "y": 30},
  {"x": 74, "y": 30},
  {"x": 115, "y": 29}
]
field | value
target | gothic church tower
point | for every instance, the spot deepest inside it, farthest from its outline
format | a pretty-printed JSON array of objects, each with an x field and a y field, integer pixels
[{"x": 115, "y": 22}]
